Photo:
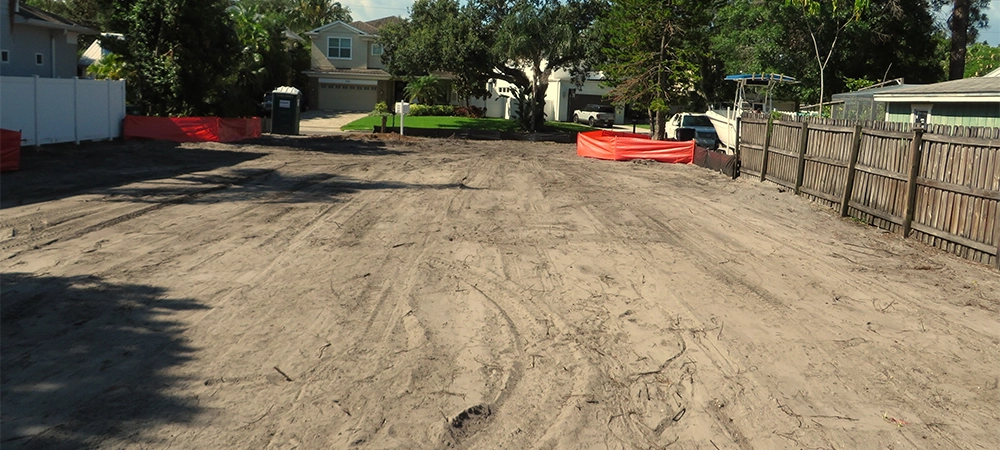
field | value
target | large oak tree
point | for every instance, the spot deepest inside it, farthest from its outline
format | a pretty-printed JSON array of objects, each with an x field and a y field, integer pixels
[{"x": 521, "y": 42}]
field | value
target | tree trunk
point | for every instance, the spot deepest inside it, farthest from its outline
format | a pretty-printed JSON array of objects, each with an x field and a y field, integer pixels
[
  {"x": 659, "y": 126},
  {"x": 959, "y": 25},
  {"x": 658, "y": 122},
  {"x": 383, "y": 123}
]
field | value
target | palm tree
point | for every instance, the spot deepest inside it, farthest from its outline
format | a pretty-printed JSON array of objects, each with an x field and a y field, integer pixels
[{"x": 423, "y": 89}]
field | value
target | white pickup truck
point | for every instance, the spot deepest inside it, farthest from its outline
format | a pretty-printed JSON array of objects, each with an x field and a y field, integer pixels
[{"x": 595, "y": 115}]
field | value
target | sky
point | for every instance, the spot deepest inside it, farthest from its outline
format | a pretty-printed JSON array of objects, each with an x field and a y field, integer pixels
[{"x": 366, "y": 10}]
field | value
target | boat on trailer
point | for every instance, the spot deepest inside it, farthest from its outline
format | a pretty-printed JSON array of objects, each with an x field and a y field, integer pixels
[{"x": 757, "y": 98}]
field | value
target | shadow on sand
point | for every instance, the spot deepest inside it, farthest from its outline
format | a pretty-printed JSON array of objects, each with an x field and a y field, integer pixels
[{"x": 84, "y": 359}]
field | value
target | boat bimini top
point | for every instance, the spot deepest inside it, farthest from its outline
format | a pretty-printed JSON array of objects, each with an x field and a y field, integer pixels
[
  {"x": 765, "y": 80},
  {"x": 760, "y": 78}
]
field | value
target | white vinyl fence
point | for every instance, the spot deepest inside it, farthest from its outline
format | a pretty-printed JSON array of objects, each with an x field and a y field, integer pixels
[{"x": 53, "y": 110}]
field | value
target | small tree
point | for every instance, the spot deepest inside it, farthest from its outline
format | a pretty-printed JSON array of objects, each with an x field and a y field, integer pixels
[
  {"x": 423, "y": 89},
  {"x": 650, "y": 59},
  {"x": 827, "y": 18},
  {"x": 382, "y": 109}
]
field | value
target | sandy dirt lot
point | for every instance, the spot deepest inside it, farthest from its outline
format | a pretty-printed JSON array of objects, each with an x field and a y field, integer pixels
[{"x": 342, "y": 292}]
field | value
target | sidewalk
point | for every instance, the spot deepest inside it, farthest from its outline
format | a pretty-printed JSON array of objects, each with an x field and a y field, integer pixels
[{"x": 326, "y": 122}]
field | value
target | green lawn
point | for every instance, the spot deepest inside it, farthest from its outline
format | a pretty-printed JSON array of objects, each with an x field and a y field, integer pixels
[{"x": 458, "y": 123}]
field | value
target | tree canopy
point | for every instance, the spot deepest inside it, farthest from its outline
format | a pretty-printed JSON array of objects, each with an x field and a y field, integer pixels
[
  {"x": 178, "y": 53},
  {"x": 893, "y": 39},
  {"x": 521, "y": 42},
  {"x": 653, "y": 52},
  {"x": 218, "y": 56}
]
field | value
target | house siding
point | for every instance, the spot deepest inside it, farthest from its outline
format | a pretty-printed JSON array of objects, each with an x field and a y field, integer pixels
[
  {"x": 374, "y": 61},
  {"x": 359, "y": 49},
  {"x": 964, "y": 114},
  {"x": 22, "y": 42},
  {"x": 967, "y": 114}
]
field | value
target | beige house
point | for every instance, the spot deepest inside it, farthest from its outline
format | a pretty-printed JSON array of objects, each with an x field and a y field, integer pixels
[{"x": 347, "y": 73}]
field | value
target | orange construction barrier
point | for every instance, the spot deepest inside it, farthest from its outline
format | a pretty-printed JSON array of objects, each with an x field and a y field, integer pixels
[
  {"x": 10, "y": 150},
  {"x": 616, "y": 146},
  {"x": 191, "y": 129}
]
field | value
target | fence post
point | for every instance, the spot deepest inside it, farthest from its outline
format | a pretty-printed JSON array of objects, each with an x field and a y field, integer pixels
[
  {"x": 997, "y": 259},
  {"x": 736, "y": 150},
  {"x": 911, "y": 180},
  {"x": 803, "y": 141},
  {"x": 37, "y": 144},
  {"x": 767, "y": 143},
  {"x": 76, "y": 110},
  {"x": 845, "y": 202},
  {"x": 107, "y": 86}
]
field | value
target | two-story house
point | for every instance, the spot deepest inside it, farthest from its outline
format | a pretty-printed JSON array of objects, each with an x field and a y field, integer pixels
[
  {"x": 347, "y": 73},
  {"x": 36, "y": 42}
]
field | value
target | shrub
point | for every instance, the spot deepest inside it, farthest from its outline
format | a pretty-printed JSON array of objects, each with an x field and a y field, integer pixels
[
  {"x": 381, "y": 109},
  {"x": 472, "y": 112},
  {"x": 432, "y": 110}
]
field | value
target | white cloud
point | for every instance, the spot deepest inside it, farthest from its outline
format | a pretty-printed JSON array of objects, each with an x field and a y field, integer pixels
[{"x": 366, "y": 10}]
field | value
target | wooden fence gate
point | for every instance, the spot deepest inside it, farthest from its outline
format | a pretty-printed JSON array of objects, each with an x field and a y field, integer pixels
[{"x": 940, "y": 185}]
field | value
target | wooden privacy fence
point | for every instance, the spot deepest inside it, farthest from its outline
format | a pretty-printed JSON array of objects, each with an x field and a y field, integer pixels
[{"x": 940, "y": 185}]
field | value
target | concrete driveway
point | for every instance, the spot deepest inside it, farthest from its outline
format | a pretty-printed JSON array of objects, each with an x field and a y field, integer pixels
[{"x": 327, "y": 122}]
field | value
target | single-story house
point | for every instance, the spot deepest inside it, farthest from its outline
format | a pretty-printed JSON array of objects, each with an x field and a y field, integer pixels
[
  {"x": 967, "y": 102},
  {"x": 36, "y": 42}
]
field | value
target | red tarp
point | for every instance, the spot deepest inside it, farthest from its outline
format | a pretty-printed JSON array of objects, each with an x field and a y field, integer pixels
[
  {"x": 616, "y": 146},
  {"x": 10, "y": 150},
  {"x": 191, "y": 129}
]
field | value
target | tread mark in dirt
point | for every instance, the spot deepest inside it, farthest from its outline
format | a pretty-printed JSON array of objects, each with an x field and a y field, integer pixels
[{"x": 125, "y": 217}]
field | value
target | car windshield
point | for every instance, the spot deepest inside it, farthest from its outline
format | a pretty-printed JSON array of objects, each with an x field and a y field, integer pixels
[
  {"x": 696, "y": 121},
  {"x": 601, "y": 108}
]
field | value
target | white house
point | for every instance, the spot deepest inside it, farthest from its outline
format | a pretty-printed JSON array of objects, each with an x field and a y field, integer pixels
[{"x": 562, "y": 97}]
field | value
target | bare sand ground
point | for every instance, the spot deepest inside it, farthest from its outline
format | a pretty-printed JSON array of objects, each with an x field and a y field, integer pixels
[{"x": 341, "y": 292}]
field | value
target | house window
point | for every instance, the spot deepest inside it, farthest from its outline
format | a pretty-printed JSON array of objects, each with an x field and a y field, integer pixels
[
  {"x": 920, "y": 115},
  {"x": 39, "y": 59},
  {"x": 338, "y": 48},
  {"x": 4, "y": 56},
  {"x": 377, "y": 49}
]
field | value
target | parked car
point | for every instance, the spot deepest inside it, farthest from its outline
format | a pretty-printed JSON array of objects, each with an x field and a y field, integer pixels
[
  {"x": 705, "y": 135},
  {"x": 595, "y": 115}
]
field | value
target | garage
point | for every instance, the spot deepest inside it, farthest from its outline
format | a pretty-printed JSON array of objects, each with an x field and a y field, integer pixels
[
  {"x": 348, "y": 95},
  {"x": 578, "y": 101}
]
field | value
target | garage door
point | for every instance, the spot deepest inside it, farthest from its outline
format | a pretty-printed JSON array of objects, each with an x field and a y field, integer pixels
[{"x": 347, "y": 97}]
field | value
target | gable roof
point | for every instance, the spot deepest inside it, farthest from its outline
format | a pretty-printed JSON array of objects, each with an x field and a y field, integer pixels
[
  {"x": 331, "y": 25},
  {"x": 29, "y": 15},
  {"x": 373, "y": 26},
  {"x": 95, "y": 52},
  {"x": 978, "y": 89},
  {"x": 369, "y": 28}
]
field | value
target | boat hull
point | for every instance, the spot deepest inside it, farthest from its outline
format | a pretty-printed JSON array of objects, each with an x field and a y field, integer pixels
[{"x": 725, "y": 127}]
